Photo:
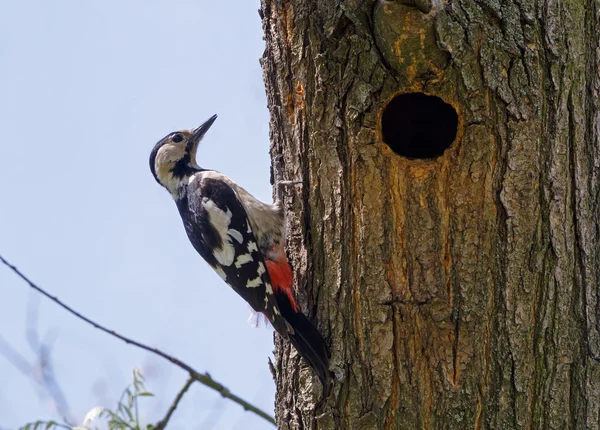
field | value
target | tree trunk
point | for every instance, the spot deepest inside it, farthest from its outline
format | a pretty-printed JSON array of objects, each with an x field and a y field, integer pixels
[{"x": 459, "y": 291}]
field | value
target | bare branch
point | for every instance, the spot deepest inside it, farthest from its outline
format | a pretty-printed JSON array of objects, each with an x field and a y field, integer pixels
[
  {"x": 31, "y": 322},
  {"x": 42, "y": 374},
  {"x": 163, "y": 423},
  {"x": 15, "y": 358},
  {"x": 203, "y": 378},
  {"x": 44, "y": 365}
]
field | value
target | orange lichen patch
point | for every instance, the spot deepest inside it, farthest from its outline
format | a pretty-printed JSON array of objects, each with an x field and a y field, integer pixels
[
  {"x": 422, "y": 172},
  {"x": 294, "y": 103},
  {"x": 407, "y": 39},
  {"x": 289, "y": 108},
  {"x": 287, "y": 21},
  {"x": 422, "y": 37},
  {"x": 396, "y": 265},
  {"x": 398, "y": 45},
  {"x": 412, "y": 70},
  {"x": 299, "y": 96}
]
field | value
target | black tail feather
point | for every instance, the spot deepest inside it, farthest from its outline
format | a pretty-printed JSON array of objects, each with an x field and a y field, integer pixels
[{"x": 306, "y": 339}]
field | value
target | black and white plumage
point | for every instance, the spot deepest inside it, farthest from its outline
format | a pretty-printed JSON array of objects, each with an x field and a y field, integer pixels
[{"x": 240, "y": 237}]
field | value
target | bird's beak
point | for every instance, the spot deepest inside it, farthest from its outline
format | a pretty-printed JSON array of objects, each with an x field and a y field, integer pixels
[{"x": 200, "y": 131}]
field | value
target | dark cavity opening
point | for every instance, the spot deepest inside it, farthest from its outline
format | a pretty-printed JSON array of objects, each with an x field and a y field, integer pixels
[{"x": 418, "y": 126}]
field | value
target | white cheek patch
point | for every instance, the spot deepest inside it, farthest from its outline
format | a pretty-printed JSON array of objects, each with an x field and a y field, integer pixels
[
  {"x": 243, "y": 259},
  {"x": 166, "y": 158},
  {"x": 169, "y": 153},
  {"x": 220, "y": 220}
]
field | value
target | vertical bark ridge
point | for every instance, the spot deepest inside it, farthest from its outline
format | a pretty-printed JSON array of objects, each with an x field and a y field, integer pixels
[{"x": 457, "y": 292}]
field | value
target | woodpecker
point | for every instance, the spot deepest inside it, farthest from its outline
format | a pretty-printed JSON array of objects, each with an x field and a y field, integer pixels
[{"x": 240, "y": 237}]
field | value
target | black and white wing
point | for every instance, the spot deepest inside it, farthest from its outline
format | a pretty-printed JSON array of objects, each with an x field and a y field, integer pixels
[{"x": 218, "y": 227}]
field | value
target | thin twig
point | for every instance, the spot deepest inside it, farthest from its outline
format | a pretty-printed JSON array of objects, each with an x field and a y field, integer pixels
[
  {"x": 163, "y": 423},
  {"x": 203, "y": 378},
  {"x": 44, "y": 359},
  {"x": 41, "y": 374},
  {"x": 15, "y": 358}
]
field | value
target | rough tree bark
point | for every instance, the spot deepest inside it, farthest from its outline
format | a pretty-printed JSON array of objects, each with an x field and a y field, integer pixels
[{"x": 459, "y": 292}]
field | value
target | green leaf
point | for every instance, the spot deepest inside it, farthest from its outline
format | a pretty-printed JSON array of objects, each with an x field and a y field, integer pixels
[
  {"x": 130, "y": 398},
  {"x": 129, "y": 414},
  {"x": 146, "y": 394}
]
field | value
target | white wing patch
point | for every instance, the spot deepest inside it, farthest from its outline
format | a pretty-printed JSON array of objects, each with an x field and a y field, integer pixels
[
  {"x": 269, "y": 290},
  {"x": 220, "y": 220},
  {"x": 243, "y": 259},
  {"x": 236, "y": 235},
  {"x": 252, "y": 246},
  {"x": 261, "y": 269},
  {"x": 253, "y": 283}
]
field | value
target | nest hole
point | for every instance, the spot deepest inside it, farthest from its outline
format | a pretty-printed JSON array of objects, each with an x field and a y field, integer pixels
[{"x": 419, "y": 126}]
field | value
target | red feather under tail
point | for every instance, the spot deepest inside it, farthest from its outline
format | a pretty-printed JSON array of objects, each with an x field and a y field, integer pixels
[
  {"x": 280, "y": 273},
  {"x": 305, "y": 337}
]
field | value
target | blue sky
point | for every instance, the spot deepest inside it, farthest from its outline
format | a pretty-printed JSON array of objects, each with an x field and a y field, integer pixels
[{"x": 86, "y": 89}]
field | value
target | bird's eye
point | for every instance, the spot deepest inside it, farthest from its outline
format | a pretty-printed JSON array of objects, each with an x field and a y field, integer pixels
[{"x": 177, "y": 138}]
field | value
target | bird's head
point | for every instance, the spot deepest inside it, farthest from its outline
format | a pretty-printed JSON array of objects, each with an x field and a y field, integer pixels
[{"x": 174, "y": 156}]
